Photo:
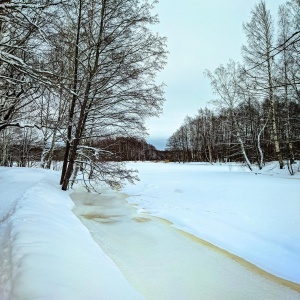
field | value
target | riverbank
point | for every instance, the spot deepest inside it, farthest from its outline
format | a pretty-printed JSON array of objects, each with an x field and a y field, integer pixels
[
  {"x": 46, "y": 252},
  {"x": 253, "y": 215}
]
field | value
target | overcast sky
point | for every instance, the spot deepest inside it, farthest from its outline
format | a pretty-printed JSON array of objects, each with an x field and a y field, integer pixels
[{"x": 202, "y": 34}]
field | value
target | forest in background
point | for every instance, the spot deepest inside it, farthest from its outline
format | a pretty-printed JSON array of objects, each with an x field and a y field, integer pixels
[{"x": 255, "y": 117}]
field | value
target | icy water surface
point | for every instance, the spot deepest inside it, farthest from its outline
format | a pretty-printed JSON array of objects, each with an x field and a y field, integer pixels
[{"x": 164, "y": 264}]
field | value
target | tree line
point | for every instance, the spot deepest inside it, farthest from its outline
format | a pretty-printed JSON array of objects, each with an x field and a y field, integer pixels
[
  {"x": 256, "y": 116},
  {"x": 26, "y": 151},
  {"x": 74, "y": 74}
]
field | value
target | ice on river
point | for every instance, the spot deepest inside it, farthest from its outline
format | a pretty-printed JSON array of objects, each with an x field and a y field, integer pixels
[{"x": 161, "y": 262}]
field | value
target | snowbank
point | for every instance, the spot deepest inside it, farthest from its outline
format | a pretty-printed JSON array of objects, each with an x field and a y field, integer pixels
[
  {"x": 46, "y": 252},
  {"x": 252, "y": 215}
]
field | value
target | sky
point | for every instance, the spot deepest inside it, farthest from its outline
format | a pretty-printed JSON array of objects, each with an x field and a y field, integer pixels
[{"x": 201, "y": 35}]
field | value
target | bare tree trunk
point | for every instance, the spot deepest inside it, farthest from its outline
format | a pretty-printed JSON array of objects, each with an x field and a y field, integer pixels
[
  {"x": 74, "y": 98},
  {"x": 287, "y": 120},
  {"x": 48, "y": 158},
  {"x": 239, "y": 138},
  {"x": 273, "y": 110},
  {"x": 74, "y": 174},
  {"x": 4, "y": 161},
  {"x": 209, "y": 151},
  {"x": 261, "y": 160},
  {"x": 70, "y": 165}
]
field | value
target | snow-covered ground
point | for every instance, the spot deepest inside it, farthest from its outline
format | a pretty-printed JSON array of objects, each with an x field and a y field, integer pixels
[
  {"x": 163, "y": 263},
  {"x": 255, "y": 216},
  {"x": 46, "y": 252}
]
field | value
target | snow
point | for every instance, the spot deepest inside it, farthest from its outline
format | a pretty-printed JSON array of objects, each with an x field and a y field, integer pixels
[
  {"x": 254, "y": 215},
  {"x": 46, "y": 252},
  {"x": 163, "y": 263}
]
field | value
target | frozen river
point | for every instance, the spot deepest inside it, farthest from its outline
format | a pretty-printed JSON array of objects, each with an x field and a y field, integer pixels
[{"x": 162, "y": 262}]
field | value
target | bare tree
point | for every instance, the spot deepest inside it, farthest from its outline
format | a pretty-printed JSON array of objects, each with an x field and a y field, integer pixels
[
  {"x": 51, "y": 109},
  {"x": 260, "y": 62},
  {"x": 224, "y": 82},
  {"x": 285, "y": 63},
  {"x": 115, "y": 61},
  {"x": 23, "y": 41}
]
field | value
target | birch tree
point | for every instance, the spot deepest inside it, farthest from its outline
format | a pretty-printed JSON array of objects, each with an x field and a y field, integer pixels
[
  {"x": 224, "y": 82},
  {"x": 259, "y": 60},
  {"x": 285, "y": 65}
]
